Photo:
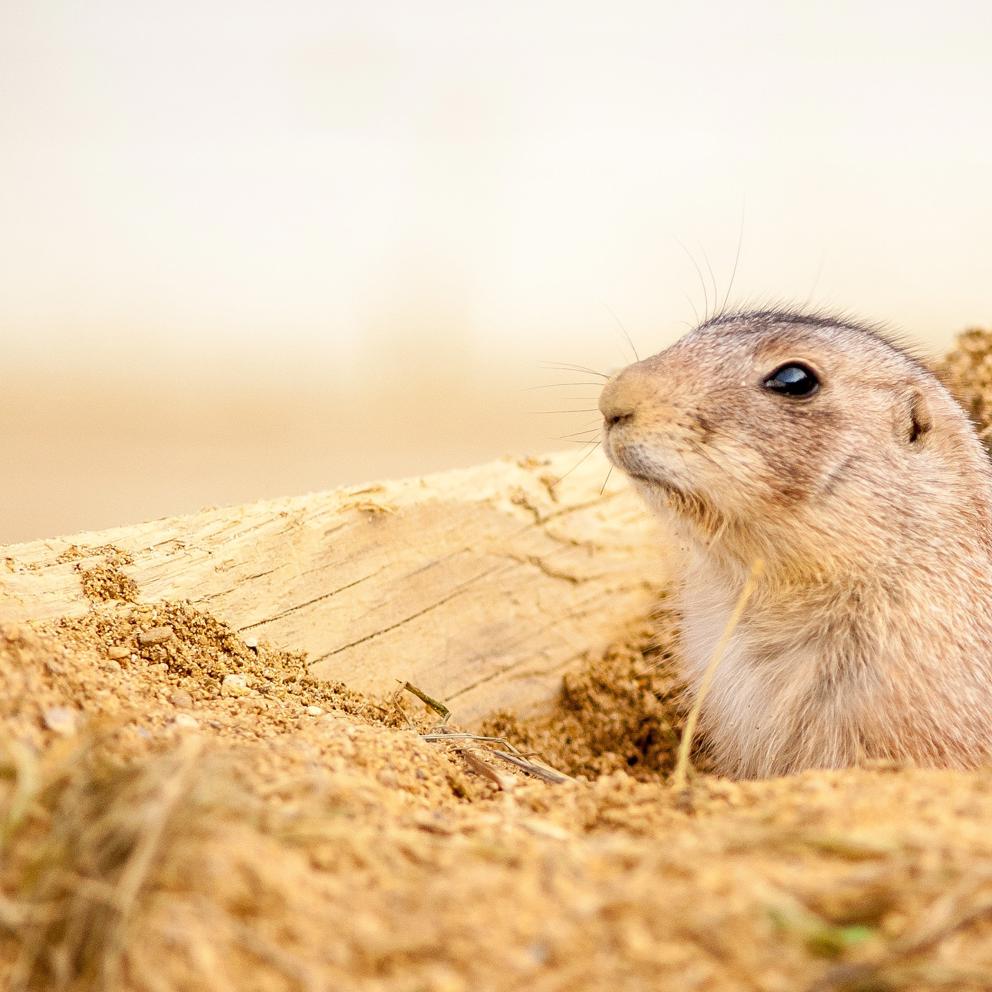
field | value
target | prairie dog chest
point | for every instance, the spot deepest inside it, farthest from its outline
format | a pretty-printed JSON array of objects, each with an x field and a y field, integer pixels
[{"x": 758, "y": 681}]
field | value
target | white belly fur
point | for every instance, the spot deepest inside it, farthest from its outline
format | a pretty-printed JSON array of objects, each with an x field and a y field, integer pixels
[{"x": 748, "y": 716}]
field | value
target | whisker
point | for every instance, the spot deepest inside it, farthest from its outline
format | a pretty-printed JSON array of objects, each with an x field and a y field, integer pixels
[
  {"x": 589, "y": 425},
  {"x": 577, "y": 464},
  {"x": 612, "y": 313},
  {"x": 737, "y": 258},
  {"x": 699, "y": 273},
  {"x": 568, "y": 437},
  {"x": 712, "y": 277},
  {"x": 566, "y": 367},
  {"x": 816, "y": 282},
  {"x": 695, "y": 312},
  {"x": 607, "y": 479},
  {"x": 590, "y": 409},
  {"x": 555, "y": 385}
]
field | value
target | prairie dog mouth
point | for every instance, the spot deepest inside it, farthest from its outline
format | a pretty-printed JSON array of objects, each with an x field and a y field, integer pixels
[{"x": 634, "y": 467}]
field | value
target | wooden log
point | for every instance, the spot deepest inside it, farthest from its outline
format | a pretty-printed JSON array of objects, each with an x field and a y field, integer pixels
[{"x": 481, "y": 586}]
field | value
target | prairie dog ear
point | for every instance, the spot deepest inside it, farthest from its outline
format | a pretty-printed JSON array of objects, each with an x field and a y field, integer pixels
[{"x": 914, "y": 421}]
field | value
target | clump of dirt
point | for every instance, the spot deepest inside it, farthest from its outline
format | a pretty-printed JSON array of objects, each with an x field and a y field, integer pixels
[
  {"x": 103, "y": 582},
  {"x": 205, "y": 658},
  {"x": 106, "y": 579}
]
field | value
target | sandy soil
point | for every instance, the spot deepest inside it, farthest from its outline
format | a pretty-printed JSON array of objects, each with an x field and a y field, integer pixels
[{"x": 181, "y": 809}]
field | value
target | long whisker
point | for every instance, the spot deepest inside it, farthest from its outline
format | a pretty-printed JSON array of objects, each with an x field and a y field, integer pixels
[
  {"x": 695, "y": 312},
  {"x": 619, "y": 324},
  {"x": 737, "y": 258},
  {"x": 566, "y": 367},
  {"x": 816, "y": 282},
  {"x": 555, "y": 385},
  {"x": 569, "y": 437},
  {"x": 578, "y": 463},
  {"x": 607, "y": 479},
  {"x": 699, "y": 273},
  {"x": 712, "y": 277},
  {"x": 590, "y": 409}
]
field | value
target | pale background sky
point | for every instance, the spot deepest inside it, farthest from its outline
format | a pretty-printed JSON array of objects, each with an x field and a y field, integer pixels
[{"x": 249, "y": 249}]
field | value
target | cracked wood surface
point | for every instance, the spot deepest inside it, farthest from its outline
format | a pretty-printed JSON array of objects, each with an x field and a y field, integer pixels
[{"x": 481, "y": 586}]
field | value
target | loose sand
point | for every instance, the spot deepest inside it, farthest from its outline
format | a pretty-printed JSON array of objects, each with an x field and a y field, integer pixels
[{"x": 182, "y": 810}]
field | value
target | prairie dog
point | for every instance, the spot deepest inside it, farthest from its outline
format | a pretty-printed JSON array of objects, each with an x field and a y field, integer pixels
[{"x": 819, "y": 447}]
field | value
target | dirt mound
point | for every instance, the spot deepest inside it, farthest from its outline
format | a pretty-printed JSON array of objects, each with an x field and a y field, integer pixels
[
  {"x": 184, "y": 809},
  {"x": 968, "y": 372},
  {"x": 621, "y": 712},
  {"x": 163, "y": 830}
]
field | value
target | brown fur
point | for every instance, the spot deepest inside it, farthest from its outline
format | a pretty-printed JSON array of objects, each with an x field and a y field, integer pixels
[{"x": 870, "y": 503}]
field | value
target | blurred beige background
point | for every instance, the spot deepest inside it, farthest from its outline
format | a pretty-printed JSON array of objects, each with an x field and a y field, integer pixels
[{"x": 249, "y": 249}]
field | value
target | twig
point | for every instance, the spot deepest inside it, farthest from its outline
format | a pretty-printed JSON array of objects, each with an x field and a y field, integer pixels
[
  {"x": 532, "y": 768},
  {"x": 685, "y": 745},
  {"x": 505, "y": 782},
  {"x": 430, "y": 701},
  {"x": 512, "y": 756},
  {"x": 457, "y": 735}
]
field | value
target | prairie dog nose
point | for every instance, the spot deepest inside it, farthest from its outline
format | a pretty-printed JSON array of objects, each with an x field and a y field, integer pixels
[{"x": 621, "y": 396}]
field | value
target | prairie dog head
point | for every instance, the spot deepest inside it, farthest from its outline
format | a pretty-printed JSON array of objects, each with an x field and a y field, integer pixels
[{"x": 757, "y": 419}]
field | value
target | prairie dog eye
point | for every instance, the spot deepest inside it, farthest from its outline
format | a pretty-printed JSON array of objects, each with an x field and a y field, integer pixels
[{"x": 793, "y": 379}]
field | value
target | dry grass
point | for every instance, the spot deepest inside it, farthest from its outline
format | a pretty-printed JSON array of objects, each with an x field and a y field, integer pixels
[{"x": 83, "y": 837}]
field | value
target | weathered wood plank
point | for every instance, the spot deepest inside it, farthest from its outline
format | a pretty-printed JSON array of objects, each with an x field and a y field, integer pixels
[{"x": 479, "y": 585}]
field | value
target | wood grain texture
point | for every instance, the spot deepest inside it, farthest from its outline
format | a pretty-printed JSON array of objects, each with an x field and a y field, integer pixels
[{"x": 481, "y": 586}]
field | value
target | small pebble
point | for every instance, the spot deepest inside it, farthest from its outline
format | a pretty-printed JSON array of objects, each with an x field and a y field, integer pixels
[
  {"x": 234, "y": 685},
  {"x": 117, "y": 652},
  {"x": 181, "y": 698},
  {"x": 251, "y": 642},
  {"x": 61, "y": 719},
  {"x": 157, "y": 635},
  {"x": 186, "y": 721},
  {"x": 314, "y": 711}
]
